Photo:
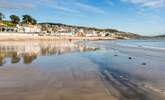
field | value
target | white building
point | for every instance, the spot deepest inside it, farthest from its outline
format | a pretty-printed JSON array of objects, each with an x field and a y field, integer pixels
[
  {"x": 64, "y": 32},
  {"x": 91, "y": 34},
  {"x": 103, "y": 34},
  {"x": 27, "y": 28}
]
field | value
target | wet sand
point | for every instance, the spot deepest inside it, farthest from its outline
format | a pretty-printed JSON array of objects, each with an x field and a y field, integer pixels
[
  {"x": 58, "y": 81},
  {"x": 33, "y": 36},
  {"x": 102, "y": 74},
  {"x": 139, "y": 78},
  {"x": 66, "y": 76}
]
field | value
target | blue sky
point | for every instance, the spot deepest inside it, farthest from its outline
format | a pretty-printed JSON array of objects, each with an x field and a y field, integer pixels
[{"x": 144, "y": 17}]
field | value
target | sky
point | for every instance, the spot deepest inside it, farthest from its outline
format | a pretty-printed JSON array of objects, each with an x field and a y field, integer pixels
[{"x": 145, "y": 17}]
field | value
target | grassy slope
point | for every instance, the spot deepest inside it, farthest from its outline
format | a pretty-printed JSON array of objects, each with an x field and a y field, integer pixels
[{"x": 8, "y": 23}]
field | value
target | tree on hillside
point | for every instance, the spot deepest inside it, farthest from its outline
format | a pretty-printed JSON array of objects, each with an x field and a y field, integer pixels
[
  {"x": 1, "y": 16},
  {"x": 27, "y": 19},
  {"x": 15, "y": 19},
  {"x": 34, "y": 21}
]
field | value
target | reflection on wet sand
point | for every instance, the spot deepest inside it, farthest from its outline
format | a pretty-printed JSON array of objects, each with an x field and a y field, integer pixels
[
  {"x": 33, "y": 71},
  {"x": 50, "y": 77},
  {"x": 28, "y": 51},
  {"x": 15, "y": 58}
]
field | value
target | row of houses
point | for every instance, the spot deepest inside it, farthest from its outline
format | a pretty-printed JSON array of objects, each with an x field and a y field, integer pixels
[
  {"x": 59, "y": 31},
  {"x": 26, "y": 28},
  {"x": 29, "y": 28}
]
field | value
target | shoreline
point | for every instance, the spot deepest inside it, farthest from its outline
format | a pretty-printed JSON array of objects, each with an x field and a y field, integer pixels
[{"x": 34, "y": 36}]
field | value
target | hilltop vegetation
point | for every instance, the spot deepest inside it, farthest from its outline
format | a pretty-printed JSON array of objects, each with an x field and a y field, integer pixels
[
  {"x": 7, "y": 23},
  {"x": 14, "y": 20},
  {"x": 160, "y": 36}
]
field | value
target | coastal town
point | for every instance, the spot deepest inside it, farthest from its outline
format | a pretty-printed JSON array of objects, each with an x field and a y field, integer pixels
[
  {"x": 29, "y": 26},
  {"x": 82, "y": 50}
]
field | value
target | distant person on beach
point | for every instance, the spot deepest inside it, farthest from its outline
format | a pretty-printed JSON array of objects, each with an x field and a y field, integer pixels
[{"x": 70, "y": 40}]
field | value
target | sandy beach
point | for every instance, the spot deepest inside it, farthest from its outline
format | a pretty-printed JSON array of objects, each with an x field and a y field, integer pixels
[
  {"x": 82, "y": 50},
  {"x": 77, "y": 71},
  {"x": 34, "y": 36}
]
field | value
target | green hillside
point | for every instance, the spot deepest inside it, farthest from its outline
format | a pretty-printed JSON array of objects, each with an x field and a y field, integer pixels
[{"x": 7, "y": 23}]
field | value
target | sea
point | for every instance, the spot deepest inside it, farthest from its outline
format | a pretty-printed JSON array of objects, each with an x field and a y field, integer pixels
[{"x": 157, "y": 43}]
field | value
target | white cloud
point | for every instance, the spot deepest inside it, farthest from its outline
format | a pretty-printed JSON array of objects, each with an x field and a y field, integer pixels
[
  {"x": 147, "y": 3},
  {"x": 109, "y": 2},
  {"x": 75, "y": 6},
  {"x": 70, "y": 6},
  {"x": 63, "y": 8},
  {"x": 89, "y": 8},
  {"x": 15, "y": 5}
]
